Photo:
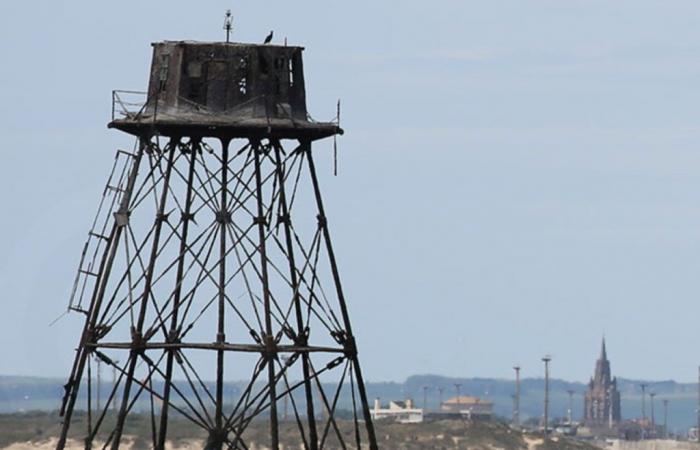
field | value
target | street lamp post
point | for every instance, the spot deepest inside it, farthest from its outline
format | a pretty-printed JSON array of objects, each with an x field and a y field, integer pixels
[
  {"x": 653, "y": 419},
  {"x": 516, "y": 399},
  {"x": 570, "y": 414},
  {"x": 546, "y": 361},
  {"x": 644, "y": 410}
]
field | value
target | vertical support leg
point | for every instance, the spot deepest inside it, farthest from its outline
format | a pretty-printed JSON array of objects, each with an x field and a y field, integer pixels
[
  {"x": 96, "y": 302},
  {"x": 270, "y": 344},
  {"x": 301, "y": 331},
  {"x": 217, "y": 436},
  {"x": 173, "y": 333},
  {"x": 351, "y": 348},
  {"x": 137, "y": 336}
]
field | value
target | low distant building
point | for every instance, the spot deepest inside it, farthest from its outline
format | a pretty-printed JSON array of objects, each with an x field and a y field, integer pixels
[
  {"x": 398, "y": 411},
  {"x": 471, "y": 408}
]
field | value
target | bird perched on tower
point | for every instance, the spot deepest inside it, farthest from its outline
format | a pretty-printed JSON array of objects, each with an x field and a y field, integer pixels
[{"x": 268, "y": 39}]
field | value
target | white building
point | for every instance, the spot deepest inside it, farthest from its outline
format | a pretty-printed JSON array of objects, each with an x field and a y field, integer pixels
[
  {"x": 471, "y": 408},
  {"x": 402, "y": 412}
]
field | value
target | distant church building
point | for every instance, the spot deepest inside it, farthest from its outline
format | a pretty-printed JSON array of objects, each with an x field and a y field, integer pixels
[{"x": 602, "y": 401}]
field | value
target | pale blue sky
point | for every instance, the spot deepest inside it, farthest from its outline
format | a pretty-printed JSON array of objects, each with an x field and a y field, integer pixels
[{"x": 517, "y": 177}]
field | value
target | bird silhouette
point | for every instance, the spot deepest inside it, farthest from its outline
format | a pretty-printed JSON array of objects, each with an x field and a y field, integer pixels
[{"x": 268, "y": 39}]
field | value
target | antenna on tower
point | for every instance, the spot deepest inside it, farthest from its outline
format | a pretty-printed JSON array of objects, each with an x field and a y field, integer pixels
[{"x": 228, "y": 24}]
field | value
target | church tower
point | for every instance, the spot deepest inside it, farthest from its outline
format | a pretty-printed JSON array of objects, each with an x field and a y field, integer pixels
[{"x": 602, "y": 401}]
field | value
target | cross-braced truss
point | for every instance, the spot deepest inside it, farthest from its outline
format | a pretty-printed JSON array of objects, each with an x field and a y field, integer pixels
[{"x": 197, "y": 267}]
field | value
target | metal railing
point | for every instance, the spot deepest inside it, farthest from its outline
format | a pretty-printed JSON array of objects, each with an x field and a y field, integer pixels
[{"x": 128, "y": 104}]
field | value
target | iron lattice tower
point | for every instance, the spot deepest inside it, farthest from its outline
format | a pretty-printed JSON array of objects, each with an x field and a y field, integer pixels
[{"x": 211, "y": 254}]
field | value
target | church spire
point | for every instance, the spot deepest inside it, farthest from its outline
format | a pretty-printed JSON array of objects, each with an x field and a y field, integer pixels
[{"x": 603, "y": 353}]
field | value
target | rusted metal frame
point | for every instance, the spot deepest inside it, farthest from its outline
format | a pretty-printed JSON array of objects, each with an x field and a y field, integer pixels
[
  {"x": 244, "y": 420},
  {"x": 188, "y": 299},
  {"x": 196, "y": 374},
  {"x": 249, "y": 290},
  {"x": 101, "y": 232},
  {"x": 331, "y": 409},
  {"x": 132, "y": 301},
  {"x": 130, "y": 285},
  {"x": 173, "y": 332},
  {"x": 305, "y": 284},
  {"x": 244, "y": 399},
  {"x": 202, "y": 421},
  {"x": 248, "y": 254},
  {"x": 154, "y": 429},
  {"x": 307, "y": 302},
  {"x": 169, "y": 187},
  {"x": 88, "y": 443},
  {"x": 271, "y": 350},
  {"x": 301, "y": 327},
  {"x": 293, "y": 282},
  {"x": 250, "y": 262},
  {"x": 137, "y": 333},
  {"x": 206, "y": 199},
  {"x": 315, "y": 281},
  {"x": 297, "y": 417},
  {"x": 156, "y": 165},
  {"x": 262, "y": 394},
  {"x": 199, "y": 399},
  {"x": 209, "y": 231},
  {"x": 227, "y": 347},
  {"x": 243, "y": 200},
  {"x": 149, "y": 176},
  {"x": 237, "y": 174},
  {"x": 73, "y": 384},
  {"x": 220, "y": 336},
  {"x": 274, "y": 188},
  {"x": 142, "y": 387},
  {"x": 358, "y": 440},
  {"x": 210, "y": 177},
  {"x": 153, "y": 368},
  {"x": 300, "y": 155},
  {"x": 111, "y": 396},
  {"x": 352, "y": 350},
  {"x": 214, "y": 298},
  {"x": 131, "y": 262}
]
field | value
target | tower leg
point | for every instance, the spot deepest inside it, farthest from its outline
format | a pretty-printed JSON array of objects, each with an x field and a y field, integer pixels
[
  {"x": 174, "y": 331},
  {"x": 137, "y": 332},
  {"x": 270, "y": 344},
  {"x": 351, "y": 348},
  {"x": 301, "y": 332}
]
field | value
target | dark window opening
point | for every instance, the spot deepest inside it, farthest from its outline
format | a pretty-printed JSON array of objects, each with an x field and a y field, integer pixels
[
  {"x": 264, "y": 66},
  {"x": 163, "y": 74}
]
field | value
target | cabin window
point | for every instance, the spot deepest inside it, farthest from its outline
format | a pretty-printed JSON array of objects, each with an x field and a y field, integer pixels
[
  {"x": 194, "y": 69},
  {"x": 163, "y": 74}
]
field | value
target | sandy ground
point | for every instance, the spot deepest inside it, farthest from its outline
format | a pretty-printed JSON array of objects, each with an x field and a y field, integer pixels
[{"x": 77, "y": 445}]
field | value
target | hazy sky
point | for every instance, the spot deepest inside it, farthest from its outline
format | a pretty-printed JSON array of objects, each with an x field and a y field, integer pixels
[{"x": 517, "y": 177}]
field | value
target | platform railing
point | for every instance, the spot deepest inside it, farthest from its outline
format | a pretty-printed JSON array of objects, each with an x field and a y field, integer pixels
[{"x": 128, "y": 104}]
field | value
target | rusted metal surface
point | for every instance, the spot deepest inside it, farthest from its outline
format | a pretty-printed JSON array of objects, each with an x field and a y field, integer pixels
[
  {"x": 195, "y": 250},
  {"x": 224, "y": 90}
]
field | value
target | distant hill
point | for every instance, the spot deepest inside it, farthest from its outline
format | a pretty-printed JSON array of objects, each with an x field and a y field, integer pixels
[{"x": 34, "y": 393}]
